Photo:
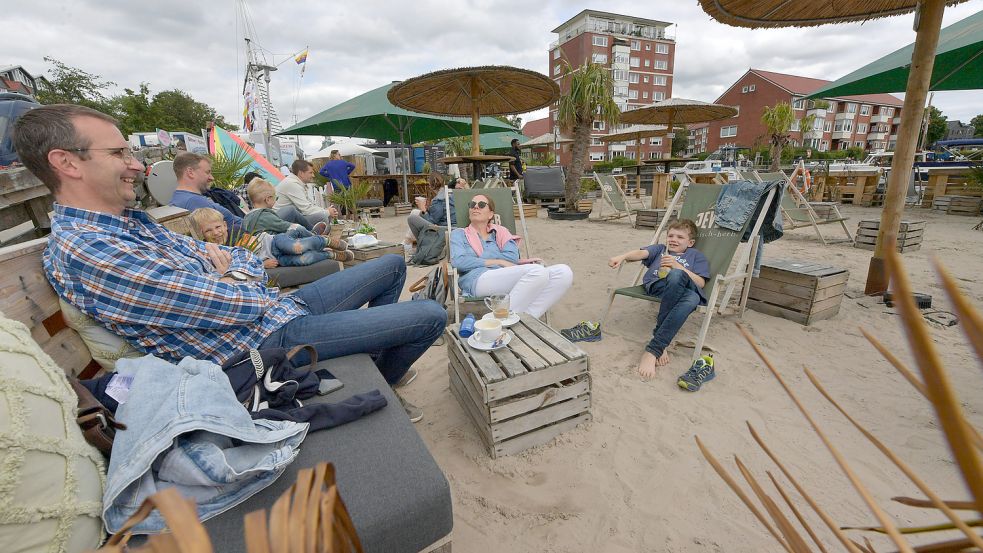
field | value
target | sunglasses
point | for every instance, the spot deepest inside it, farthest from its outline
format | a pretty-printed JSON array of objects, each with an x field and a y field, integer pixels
[{"x": 479, "y": 205}]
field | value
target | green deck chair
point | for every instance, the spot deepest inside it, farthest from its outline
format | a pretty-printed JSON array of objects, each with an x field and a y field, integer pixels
[
  {"x": 616, "y": 198},
  {"x": 798, "y": 212},
  {"x": 721, "y": 246},
  {"x": 504, "y": 199}
]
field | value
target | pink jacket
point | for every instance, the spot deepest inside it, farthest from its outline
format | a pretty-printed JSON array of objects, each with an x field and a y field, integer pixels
[{"x": 502, "y": 236}]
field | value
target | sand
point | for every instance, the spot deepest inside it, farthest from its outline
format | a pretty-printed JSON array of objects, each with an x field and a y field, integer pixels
[{"x": 634, "y": 480}]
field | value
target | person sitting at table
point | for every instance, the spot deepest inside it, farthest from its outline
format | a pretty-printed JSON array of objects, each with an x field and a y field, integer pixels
[
  {"x": 487, "y": 255},
  {"x": 436, "y": 215}
]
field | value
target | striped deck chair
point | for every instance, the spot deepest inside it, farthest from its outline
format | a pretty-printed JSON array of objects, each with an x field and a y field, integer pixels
[
  {"x": 721, "y": 246},
  {"x": 798, "y": 212},
  {"x": 615, "y": 196}
]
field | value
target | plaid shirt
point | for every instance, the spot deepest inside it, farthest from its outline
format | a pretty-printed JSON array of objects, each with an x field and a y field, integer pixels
[{"x": 158, "y": 289}]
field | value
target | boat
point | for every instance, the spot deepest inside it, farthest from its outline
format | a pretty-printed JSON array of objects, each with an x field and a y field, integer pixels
[{"x": 728, "y": 160}]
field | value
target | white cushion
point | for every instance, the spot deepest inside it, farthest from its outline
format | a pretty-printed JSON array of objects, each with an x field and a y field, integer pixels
[{"x": 104, "y": 346}]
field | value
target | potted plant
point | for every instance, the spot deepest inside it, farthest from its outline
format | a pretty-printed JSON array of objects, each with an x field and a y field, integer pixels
[{"x": 348, "y": 198}]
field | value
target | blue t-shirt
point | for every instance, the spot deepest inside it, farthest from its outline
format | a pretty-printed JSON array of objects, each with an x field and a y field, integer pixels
[
  {"x": 693, "y": 259},
  {"x": 192, "y": 201}
]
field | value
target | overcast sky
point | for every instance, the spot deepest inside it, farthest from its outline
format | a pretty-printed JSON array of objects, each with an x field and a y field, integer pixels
[{"x": 198, "y": 46}]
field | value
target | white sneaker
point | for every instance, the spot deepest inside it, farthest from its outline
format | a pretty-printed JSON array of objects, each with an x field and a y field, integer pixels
[{"x": 410, "y": 376}]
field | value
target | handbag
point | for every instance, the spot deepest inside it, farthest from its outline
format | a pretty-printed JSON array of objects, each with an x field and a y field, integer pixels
[
  {"x": 434, "y": 286},
  {"x": 98, "y": 424}
]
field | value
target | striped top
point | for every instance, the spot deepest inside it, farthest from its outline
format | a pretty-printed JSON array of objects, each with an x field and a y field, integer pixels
[{"x": 158, "y": 289}]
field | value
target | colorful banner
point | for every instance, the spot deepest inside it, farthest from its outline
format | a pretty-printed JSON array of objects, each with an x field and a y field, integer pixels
[{"x": 222, "y": 143}]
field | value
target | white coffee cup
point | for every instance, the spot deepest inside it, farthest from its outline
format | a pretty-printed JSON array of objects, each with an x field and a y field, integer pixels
[{"x": 487, "y": 330}]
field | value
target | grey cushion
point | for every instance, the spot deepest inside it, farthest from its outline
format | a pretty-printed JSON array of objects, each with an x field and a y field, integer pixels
[
  {"x": 543, "y": 182},
  {"x": 371, "y": 202},
  {"x": 398, "y": 497},
  {"x": 287, "y": 277}
]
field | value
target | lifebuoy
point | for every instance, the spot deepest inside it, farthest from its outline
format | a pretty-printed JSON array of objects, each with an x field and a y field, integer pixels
[{"x": 806, "y": 182}]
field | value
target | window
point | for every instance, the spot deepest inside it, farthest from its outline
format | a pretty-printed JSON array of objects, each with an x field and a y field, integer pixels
[
  {"x": 839, "y": 126},
  {"x": 557, "y": 69},
  {"x": 648, "y": 47},
  {"x": 864, "y": 109},
  {"x": 743, "y": 90},
  {"x": 738, "y": 114},
  {"x": 596, "y": 142},
  {"x": 656, "y": 141},
  {"x": 858, "y": 144},
  {"x": 556, "y": 54},
  {"x": 594, "y": 156},
  {"x": 796, "y": 124},
  {"x": 648, "y": 63},
  {"x": 798, "y": 104},
  {"x": 645, "y": 95},
  {"x": 628, "y": 155},
  {"x": 887, "y": 111},
  {"x": 827, "y": 126},
  {"x": 824, "y": 146},
  {"x": 661, "y": 64},
  {"x": 598, "y": 125},
  {"x": 622, "y": 75},
  {"x": 636, "y": 45},
  {"x": 621, "y": 91},
  {"x": 851, "y": 108},
  {"x": 645, "y": 78},
  {"x": 658, "y": 96},
  {"x": 661, "y": 48},
  {"x": 658, "y": 80},
  {"x": 621, "y": 58},
  {"x": 750, "y": 88},
  {"x": 728, "y": 131},
  {"x": 634, "y": 62},
  {"x": 862, "y": 128},
  {"x": 655, "y": 155},
  {"x": 599, "y": 58},
  {"x": 633, "y": 78},
  {"x": 632, "y": 94},
  {"x": 599, "y": 41}
]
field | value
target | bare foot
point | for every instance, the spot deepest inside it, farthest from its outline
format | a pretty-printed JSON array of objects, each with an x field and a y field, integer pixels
[
  {"x": 646, "y": 365},
  {"x": 663, "y": 360}
]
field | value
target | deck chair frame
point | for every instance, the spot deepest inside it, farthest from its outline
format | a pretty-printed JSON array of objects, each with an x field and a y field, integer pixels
[
  {"x": 745, "y": 254},
  {"x": 609, "y": 192},
  {"x": 804, "y": 206}
]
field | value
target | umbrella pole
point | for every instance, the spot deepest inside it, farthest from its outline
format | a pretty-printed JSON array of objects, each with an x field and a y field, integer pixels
[
  {"x": 929, "y": 21},
  {"x": 638, "y": 164},
  {"x": 475, "y": 146},
  {"x": 406, "y": 186}
]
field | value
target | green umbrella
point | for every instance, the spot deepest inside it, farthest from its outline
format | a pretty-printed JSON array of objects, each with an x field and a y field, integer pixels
[
  {"x": 372, "y": 115},
  {"x": 958, "y": 65},
  {"x": 500, "y": 141}
]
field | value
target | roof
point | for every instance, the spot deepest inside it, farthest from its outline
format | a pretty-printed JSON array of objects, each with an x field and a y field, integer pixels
[
  {"x": 610, "y": 15},
  {"x": 805, "y": 85},
  {"x": 536, "y": 127}
]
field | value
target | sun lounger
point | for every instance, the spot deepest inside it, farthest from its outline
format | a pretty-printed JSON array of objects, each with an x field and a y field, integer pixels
[
  {"x": 798, "y": 212},
  {"x": 721, "y": 246},
  {"x": 615, "y": 197}
]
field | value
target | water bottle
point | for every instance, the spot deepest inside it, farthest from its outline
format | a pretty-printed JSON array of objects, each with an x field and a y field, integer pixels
[{"x": 467, "y": 326}]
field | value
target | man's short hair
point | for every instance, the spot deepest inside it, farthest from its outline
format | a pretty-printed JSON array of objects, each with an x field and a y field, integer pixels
[
  {"x": 686, "y": 224},
  {"x": 47, "y": 128},
  {"x": 248, "y": 177},
  {"x": 256, "y": 188},
  {"x": 514, "y": 142},
  {"x": 205, "y": 215},
  {"x": 298, "y": 166},
  {"x": 187, "y": 160}
]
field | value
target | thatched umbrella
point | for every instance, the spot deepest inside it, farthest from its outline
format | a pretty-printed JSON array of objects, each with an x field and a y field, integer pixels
[
  {"x": 783, "y": 13},
  {"x": 678, "y": 111},
  {"x": 476, "y": 91}
]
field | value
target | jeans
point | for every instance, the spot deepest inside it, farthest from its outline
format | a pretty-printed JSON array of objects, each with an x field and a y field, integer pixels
[
  {"x": 679, "y": 297},
  {"x": 291, "y": 215},
  {"x": 297, "y": 248},
  {"x": 417, "y": 223},
  {"x": 395, "y": 334}
]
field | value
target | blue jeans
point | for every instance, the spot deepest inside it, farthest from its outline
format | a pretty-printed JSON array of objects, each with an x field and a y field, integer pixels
[
  {"x": 298, "y": 247},
  {"x": 679, "y": 297},
  {"x": 395, "y": 334}
]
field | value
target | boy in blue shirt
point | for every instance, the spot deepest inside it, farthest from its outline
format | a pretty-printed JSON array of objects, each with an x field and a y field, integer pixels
[{"x": 677, "y": 273}]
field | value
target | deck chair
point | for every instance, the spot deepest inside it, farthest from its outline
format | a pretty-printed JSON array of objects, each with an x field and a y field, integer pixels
[
  {"x": 721, "y": 247},
  {"x": 504, "y": 199},
  {"x": 799, "y": 212},
  {"x": 615, "y": 196}
]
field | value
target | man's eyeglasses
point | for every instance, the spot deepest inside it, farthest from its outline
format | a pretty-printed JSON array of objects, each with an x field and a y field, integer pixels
[
  {"x": 479, "y": 205},
  {"x": 125, "y": 153}
]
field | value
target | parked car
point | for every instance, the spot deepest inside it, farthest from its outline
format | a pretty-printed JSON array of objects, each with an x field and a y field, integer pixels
[{"x": 12, "y": 106}]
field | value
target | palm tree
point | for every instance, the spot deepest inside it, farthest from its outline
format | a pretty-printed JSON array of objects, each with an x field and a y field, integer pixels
[
  {"x": 778, "y": 121},
  {"x": 589, "y": 98}
]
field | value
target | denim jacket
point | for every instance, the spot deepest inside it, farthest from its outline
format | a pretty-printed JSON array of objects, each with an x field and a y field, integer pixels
[
  {"x": 437, "y": 214},
  {"x": 185, "y": 429},
  {"x": 740, "y": 200}
]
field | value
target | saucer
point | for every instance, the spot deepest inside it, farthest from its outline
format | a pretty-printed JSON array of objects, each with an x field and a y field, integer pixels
[
  {"x": 509, "y": 321},
  {"x": 473, "y": 342}
]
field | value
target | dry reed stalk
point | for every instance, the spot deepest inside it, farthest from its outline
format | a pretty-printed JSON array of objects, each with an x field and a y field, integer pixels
[
  {"x": 972, "y": 322},
  {"x": 956, "y": 505},
  {"x": 879, "y": 513},
  {"x": 792, "y": 537},
  {"x": 795, "y": 511},
  {"x": 940, "y": 392}
]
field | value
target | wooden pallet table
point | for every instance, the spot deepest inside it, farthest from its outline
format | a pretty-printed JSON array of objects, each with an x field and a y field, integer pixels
[
  {"x": 649, "y": 217},
  {"x": 854, "y": 186},
  {"x": 531, "y": 211},
  {"x": 524, "y": 394},
  {"x": 382, "y": 248},
  {"x": 800, "y": 291},
  {"x": 909, "y": 235}
]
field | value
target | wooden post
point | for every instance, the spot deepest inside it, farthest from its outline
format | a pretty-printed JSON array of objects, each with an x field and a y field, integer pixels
[
  {"x": 660, "y": 190},
  {"x": 929, "y": 20},
  {"x": 475, "y": 116}
]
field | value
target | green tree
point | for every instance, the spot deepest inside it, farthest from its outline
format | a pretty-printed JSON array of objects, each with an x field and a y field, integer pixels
[
  {"x": 977, "y": 123},
  {"x": 133, "y": 110},
  {"x": 177, "y": 111},
  {"x": 936, "y": 126},
  {"x": 778, "y": 121},
  {"x": 514, "y": 120},
  {"x": 679, "y": 143},
  {"x": 70, "y": 85},
  {"x": 590, "y": 97}
]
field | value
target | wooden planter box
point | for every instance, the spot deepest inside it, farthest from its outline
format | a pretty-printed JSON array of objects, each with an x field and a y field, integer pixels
[
  {"x": 651, "y": 218},
  {"x": 531, "y": 211},
  {"x": 382, "y": 248},
  {"x": 403, "y": 208},
  {"x": 909, "y": 235},
  {"x": 958, "y": 205},
  {"x": 799, "y": 291},
  {"x": 524, "y": 394}
]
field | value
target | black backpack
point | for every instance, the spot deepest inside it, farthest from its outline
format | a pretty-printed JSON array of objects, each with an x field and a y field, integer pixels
[{"x": 429, "y": 246}]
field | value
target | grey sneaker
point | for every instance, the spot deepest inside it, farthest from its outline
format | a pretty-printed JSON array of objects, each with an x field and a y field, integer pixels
[
  {"x": 585, "y": 331},
  {"x": 410, "y": 376},
  {"x": 412, "y": 411}
]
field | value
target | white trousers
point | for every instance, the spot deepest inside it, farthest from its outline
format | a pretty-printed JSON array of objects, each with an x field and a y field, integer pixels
[{"x": 532, "y": 288}]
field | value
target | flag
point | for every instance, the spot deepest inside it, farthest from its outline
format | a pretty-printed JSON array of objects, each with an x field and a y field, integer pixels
[{"x": 301, "y": 57}]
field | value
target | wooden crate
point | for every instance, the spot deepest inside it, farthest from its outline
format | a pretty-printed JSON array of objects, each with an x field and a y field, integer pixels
[
  {"x": 382, "y": 248},
  {"x": 964, "y": 205},
  {"x": 403, "y": 208},
  {"x": 374, "y": 211},
  {"x": 800, "y": 291},
  {"x": 651, "y": 218},
  {"x": 909, "y": 235},
  {"x": 531, "y": 211},
  {"x": 522, "y": 395}
]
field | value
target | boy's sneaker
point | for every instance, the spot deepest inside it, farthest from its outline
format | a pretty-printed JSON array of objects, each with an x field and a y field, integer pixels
[
  {"x": 586, "y": 331},
  {"x": 412, "y": 411},
  {"x": 700, "y": 373},
  {"x": 342, "y": 255},
  {"x": 410, "y": 376},
  {"x": 336, "y": 243},
  {"x": 319, "y": 228}
]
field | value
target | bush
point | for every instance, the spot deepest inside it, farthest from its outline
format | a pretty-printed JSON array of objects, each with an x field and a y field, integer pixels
[{"x": 588, "y": 184}]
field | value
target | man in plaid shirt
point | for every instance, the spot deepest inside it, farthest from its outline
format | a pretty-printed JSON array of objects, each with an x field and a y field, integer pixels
[{"x": 172, "y": 296}]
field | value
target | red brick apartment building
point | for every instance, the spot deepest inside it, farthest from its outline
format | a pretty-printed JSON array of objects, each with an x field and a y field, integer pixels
[
  {"x": 868, "y": 121},
  {"x": 640, "y": 54}
]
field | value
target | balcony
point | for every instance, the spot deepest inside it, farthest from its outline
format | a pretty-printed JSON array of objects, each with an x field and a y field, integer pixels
[
  {"x": 893, "y": 138},
  {"x": 814, "y": 133},
  {"x": 617, "y": 147},
  {"x": 877, "y": 136},
  {"x": 880, "y": 119},
  {"x": 897, "y": 120},
  {"x": 844, "y": 115},
  {"x": 819, "y": 113},
  {"x": 842, "y": 135}
]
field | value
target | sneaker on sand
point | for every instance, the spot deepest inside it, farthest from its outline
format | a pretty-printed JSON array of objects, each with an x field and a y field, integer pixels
[
  {"x": 585, "y": 331},
  {"x": 700, "y": 373},
  {"x": 410, "y": 376},
  {"x": 412, "y": 411},
  {"x": 319, "y": 228}
]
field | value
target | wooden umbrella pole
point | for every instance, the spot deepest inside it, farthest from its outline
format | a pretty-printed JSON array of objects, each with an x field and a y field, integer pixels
[
  {"x": 929, "y": 22},
  {"x": 475, "y": 91}
]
